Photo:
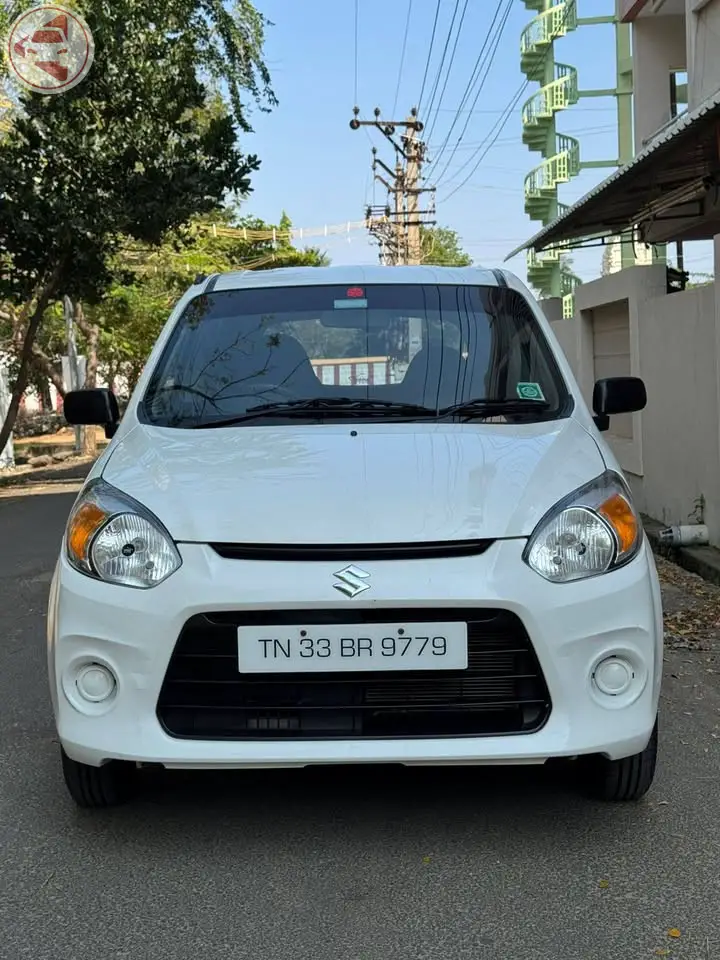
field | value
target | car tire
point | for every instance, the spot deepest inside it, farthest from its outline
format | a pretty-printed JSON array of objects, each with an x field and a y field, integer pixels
[
  {"x": 626, "y": 779},
  {"x": 97, "y": 787}
]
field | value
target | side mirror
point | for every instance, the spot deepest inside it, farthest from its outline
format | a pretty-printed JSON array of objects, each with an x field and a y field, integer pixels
[
  {"x": 92, "y": 408},
  {"x": 615, "y": 395}
]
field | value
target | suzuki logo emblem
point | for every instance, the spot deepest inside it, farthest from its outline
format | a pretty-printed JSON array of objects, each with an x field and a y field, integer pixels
[{"x": 351, "y": 581}]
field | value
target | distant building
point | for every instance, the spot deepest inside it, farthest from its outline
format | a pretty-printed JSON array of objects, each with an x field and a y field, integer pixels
[
  {"x": 353, "y": 371},
  {"x": 612, "y": 256},
  {"x": 675, "y": 60},
  {"x": 641, "y": 321}
]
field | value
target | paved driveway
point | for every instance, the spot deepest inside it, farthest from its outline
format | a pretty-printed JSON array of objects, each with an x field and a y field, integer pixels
[{"x": 344, "y": 865}]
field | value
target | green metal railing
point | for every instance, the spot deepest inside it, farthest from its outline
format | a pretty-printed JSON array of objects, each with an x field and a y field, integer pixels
[
  {"x": 555, "y": 19},
  {"x": 561, "y": 153},
  {"x": 542, "y": 106}
]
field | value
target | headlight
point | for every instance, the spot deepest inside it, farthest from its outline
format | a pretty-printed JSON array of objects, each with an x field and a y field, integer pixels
[
  {"x": 593, "y": 530},
  {"x": 112, "y": 537}
]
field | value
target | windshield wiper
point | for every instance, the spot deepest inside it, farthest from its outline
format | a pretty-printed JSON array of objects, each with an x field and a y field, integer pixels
[
  {"x": 494, "y": 407},
  {"x": 344, "y": 403},
  {"x": 320, "y": 405},
  {"x": 347, "y": 406}
]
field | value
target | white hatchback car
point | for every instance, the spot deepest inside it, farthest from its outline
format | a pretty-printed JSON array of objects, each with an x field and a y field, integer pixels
[{"x": 355, "y": 515}]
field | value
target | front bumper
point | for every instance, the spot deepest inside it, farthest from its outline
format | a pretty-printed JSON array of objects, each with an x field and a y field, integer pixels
[{"x": 572, "y": 627}]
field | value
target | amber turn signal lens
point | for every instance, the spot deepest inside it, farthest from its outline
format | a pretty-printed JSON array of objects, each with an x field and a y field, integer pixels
[
  {"x": 619, "y": 514},
  {"x": 83, "y": 526}
]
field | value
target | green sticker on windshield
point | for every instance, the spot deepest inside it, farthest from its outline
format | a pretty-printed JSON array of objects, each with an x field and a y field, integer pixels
[{"x": 530, "y": 391}]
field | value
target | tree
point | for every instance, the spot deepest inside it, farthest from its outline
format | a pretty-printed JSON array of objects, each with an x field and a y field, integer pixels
[
  {"x": 441, "y": 246},
  {"x": 48, "y": 347},
  {"x": 567, "y": 265},
  {"x": 118, "y": 332},
  {"x": 149, "y": 282},
  {"x": 140, "y": 146}
]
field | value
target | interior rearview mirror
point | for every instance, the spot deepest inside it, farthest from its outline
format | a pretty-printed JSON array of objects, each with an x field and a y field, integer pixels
[
  {"x": 97, "y": 407},
  {"x": 614, "y": 395}
]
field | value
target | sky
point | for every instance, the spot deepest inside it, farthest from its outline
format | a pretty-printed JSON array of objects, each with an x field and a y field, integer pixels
[{"x": 318, "y": 170}]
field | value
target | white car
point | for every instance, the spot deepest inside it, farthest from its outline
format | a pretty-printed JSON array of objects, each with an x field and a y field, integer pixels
[{"x": 438, "y": 565}]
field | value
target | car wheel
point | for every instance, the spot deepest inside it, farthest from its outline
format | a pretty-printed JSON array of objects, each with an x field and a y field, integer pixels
[
  {"x": 627, "y": 779},
  {"x": 94, "y": 787}
]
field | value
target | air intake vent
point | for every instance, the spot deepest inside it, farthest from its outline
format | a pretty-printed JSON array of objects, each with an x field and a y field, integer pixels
[
  {"x": 343, "y": 552},
  {"x": 204, "y": 696}
]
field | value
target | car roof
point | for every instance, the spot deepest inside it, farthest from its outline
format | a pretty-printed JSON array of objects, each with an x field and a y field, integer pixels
[{"x": 351, "y": 276}]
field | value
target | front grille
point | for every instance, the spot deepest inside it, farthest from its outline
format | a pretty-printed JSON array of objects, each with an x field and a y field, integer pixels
[
  {"x": 502, "y": 691},
  {"x": 342, "y": 553}
]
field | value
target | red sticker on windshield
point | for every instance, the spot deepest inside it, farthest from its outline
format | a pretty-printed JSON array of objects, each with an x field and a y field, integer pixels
[{"x": 355, "y": 292}]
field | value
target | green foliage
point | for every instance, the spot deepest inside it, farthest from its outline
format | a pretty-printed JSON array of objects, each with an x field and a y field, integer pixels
[
  {"x": 223, "y": 39},
  {"x": 441, "y": 246},
  {"x": 5, "y": 21},
  {"x": 51, "y": 343},
  {"x": 699, "y": 280},
  {"x": 149, "y": 282},
  {"x": 228, "y": 39},
  {"x": 130, "y": 319},
  {"x": 141, "y": 145}
]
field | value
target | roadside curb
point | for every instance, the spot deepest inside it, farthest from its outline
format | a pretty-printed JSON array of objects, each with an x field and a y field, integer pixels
[
  {"x": 77, "y": 470},
  {"x": 704, "y": 561}
]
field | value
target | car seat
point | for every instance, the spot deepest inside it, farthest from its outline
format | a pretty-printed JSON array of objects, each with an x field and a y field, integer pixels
[
  {"x": 440, "y": 378},
  {"x": 278, "y": 363}
]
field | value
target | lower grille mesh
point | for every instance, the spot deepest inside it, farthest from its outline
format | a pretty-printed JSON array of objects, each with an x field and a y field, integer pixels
[{"x": 502, "y": 691}]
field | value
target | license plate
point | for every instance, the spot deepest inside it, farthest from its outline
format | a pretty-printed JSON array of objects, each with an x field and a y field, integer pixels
[{"x": 356, "y": 648}]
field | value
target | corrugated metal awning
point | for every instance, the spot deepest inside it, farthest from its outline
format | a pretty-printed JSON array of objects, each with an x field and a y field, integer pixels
[{"x": 669, "y": 190}]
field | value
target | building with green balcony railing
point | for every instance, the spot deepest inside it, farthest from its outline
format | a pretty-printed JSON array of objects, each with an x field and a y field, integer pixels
[
  {"x": 558, "y": 90},
  {"x": 549, "y": 272}
]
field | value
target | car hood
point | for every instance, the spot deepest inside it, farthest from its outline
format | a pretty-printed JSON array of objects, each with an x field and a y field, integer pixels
[{"x": 353, "y": 483}]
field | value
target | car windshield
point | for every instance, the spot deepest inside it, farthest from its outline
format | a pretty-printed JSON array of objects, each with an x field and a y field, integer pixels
[{"x": 309, "y": 353}]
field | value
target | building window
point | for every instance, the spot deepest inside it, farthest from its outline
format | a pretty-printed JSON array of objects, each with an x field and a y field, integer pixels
[{"x": 678, "y": 93}]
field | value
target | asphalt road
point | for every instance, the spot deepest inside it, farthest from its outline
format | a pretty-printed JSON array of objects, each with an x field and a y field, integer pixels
[{"x": 337, "y": 864}]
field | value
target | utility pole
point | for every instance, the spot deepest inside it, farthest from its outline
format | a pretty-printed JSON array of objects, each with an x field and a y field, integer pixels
[
  {"x": 398, "y": 192},
  {"x": 381, "y": 226},
  {"x": 73, "y": 378},
  {"x": 387, "y": 225},
  {"x": 398, "y": 231},
  {"x": 415, "y": 154}
]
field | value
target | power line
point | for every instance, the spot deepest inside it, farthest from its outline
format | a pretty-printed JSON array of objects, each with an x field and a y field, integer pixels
[
  {"x": 402, "y": 56},
  {"x": 477, "y": 69},
  {"x": 586, "y": 131},
  {"x": 502, "y": 122},
  {"x": 357, "y": 21},
  {"x": 489, "y": 186},
  {"x": 442, "y": 60},
  {"x": 468, "y": 88},
  {"x": 449, "y": 70},
  {"x": 470, "y": 110},
  {"x": 503, "y": 119},
  {"x": 494, "y": 40},
  {"x": 427, "y": 65}
]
